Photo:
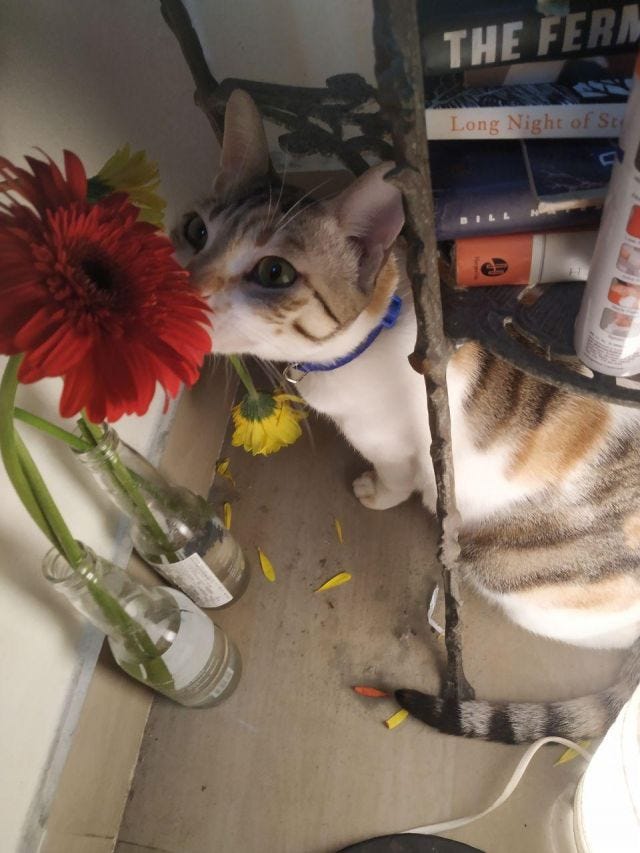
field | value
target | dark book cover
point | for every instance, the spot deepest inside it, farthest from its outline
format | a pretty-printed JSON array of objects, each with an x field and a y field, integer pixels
[
  {"x": 485, "y": 189},
  {"x": 527, "y": 110},
  {"x": 605, "y": 91},
  {"x": 471, "y": 34},
  {"x": 564, "y": 176}
]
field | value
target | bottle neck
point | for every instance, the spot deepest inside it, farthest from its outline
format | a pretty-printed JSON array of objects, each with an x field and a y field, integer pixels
[
  {"x": 119, "y": 467},
  {"x": 164, "y": 517},
  {"x": 109, "y": 598}
]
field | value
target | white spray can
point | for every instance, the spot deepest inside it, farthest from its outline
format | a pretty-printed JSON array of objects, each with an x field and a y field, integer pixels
[{"x": 607, "y": 333}]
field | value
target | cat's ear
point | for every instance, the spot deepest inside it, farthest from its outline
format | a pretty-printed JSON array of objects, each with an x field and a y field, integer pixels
[
  {"x": 370, "y": 212},
  {"x": 245, "y": 154}
]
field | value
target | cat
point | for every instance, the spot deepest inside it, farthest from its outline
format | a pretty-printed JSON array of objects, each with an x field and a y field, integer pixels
[{"x": 548, "y": 483}]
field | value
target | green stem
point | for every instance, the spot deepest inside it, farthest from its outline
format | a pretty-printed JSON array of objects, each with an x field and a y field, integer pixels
[
  {"x": 34, "y": 494},
  {"x": 243, "y": 374},
  {"x": 51, "y": 429},
  {"x": 130, "y": 630},
  {"x": 8, "y": 450},
  {"x": 65, "y": 541},
  {"x": 123, "y": 478}
]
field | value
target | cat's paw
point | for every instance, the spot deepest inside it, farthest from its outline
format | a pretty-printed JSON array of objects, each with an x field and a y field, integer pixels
[{"x": 374, "y": 495}]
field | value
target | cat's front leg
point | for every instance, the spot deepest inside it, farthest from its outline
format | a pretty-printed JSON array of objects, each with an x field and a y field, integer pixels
[{"x": 388, "y": 484}]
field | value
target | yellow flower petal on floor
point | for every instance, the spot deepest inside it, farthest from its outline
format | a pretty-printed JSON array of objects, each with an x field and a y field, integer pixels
[
  {"x": 338, "y": 527},
  {"x": 223, "y": 470},
  {"x": 227, "y": 515},
  {"x": 264, "y": 423},
  {"x": 570, "y": 754},
  {"x": 135, "y": 175},
  {"x": 267, "y": 566},
  {"x": 397, "y": 718},
  {"x": 336, "y": 580}
]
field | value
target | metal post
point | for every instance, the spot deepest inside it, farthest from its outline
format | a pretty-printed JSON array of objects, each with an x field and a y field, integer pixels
[{"x": 401, "y": 96}]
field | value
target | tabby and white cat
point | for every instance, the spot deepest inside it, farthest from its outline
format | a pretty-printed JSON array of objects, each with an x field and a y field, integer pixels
[{"x": 548, "y": 484}]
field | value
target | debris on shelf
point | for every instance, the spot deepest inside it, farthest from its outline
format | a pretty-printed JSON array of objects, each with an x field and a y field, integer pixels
[
  {"x": 396, "y": 719},
  {"x": 371, "y": 692},
  {"x": 222, "y": 468},
  {"x": 267, "y": 566},
  {"x": 336, "y": 580}
]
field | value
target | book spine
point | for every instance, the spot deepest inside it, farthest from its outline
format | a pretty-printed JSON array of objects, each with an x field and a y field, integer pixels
[
  {"x": 459, "y": 36},
  {"x": 487, "y": 211},
  {"x": 555, "y": 121},
  {"x": 519, "y": 259}
]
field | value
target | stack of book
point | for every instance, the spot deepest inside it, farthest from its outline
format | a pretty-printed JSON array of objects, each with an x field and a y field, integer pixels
[{"x": 524, "y": 104}]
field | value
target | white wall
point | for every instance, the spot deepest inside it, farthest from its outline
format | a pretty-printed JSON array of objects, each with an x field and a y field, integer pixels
[{"x": 90, "y": 75}]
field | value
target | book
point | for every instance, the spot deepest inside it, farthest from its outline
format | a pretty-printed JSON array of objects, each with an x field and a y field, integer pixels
[
  {"x": 527, "y": 111},
  {"x": 468, "y": 34},
  {"x": 519, "y": 259},
  {"x": 564, "y": 176},
  {"x": 483, "y": 189}
]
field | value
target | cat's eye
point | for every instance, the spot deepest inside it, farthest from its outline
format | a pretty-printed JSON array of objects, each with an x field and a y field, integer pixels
[
  {"x": 273, "y": 272},
  {"x": 195, "y": 232}
]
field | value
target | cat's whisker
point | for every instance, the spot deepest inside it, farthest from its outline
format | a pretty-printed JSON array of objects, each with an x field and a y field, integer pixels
[
  {"x": 268, "y": 216},
  {"x": 269, "y": 369},
  {"x": 306, "y": 426},
  {"x": 280, "y": 224},
  {"x": 283, "y": 180},
  {"x": 295, "y": 215}
]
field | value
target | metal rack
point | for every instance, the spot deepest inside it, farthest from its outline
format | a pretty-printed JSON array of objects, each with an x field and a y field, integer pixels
[{"x": 348, "y": 119}]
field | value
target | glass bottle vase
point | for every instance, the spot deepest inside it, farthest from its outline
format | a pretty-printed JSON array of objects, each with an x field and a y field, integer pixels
[
  {"x": 158, "y": 636},
  {"x": 173, "y": 529}
]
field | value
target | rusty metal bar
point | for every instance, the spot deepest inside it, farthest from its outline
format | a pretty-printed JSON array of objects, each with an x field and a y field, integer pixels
[
  {"x": 401, "y": 96},
  {"x": 179, "y": 22}
]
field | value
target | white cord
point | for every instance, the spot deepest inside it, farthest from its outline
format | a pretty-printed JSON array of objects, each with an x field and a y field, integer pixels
[{"x": 511, "y": 785}]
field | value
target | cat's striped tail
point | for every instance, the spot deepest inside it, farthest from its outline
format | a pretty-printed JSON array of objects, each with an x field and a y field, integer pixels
[{"x": 520, "y": 722}]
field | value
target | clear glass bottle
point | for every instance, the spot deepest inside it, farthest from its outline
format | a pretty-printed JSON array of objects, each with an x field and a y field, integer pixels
[
  {"x": 158, "y": 636},
  {"x": 173, "y": 529}
]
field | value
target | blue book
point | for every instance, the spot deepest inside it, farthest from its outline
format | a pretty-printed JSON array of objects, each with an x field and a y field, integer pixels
[{"x": 508, "y": 186}]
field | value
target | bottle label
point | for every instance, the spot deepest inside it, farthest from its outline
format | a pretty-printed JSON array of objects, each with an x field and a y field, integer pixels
[
  {"x": 194, "y": 577},
  {"x": 222, "y": 685},
  {"x": 192, "y": 648}
]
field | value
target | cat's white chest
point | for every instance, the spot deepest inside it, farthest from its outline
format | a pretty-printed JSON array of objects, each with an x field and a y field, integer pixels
[
  {"x": 377, "y": 400},
  {"x": 379, "y": 403}
]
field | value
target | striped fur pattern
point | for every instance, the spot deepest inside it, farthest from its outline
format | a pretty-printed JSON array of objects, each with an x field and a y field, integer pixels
[
  {"x": 521, "y": 722},
  {"x": 548, "y": 484}
]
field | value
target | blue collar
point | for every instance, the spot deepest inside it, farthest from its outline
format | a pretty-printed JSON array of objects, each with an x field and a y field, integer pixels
[{"x": 295, "y": 372}]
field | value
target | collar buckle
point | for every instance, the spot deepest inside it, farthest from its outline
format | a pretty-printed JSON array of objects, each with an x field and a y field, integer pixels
[{"x": 293, "y": 374}]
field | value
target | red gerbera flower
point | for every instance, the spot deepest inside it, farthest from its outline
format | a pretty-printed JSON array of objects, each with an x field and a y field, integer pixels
[{"x": 90, "y": 294}]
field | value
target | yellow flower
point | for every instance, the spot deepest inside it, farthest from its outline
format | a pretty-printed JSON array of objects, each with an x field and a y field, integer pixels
[
  {"x": 135, "y": 175},
  {"x": 266, "y": 422}
]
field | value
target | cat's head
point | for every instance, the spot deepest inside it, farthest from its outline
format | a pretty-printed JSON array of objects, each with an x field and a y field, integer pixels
[{"x": 288, "y": 277}]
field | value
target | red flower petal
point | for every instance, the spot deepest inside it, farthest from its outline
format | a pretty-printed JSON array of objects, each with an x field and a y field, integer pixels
[
  {"x": 56, "y": 355},
  {"x": 91, "y": 294},
  {"x": 76, "y": 175}
]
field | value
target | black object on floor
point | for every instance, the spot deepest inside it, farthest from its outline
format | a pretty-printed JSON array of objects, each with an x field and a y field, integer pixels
[{"x": 409, "y": 844}]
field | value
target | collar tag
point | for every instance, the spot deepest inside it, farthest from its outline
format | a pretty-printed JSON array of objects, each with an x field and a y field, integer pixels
[{"x": 293, "y": 374}]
